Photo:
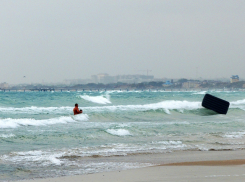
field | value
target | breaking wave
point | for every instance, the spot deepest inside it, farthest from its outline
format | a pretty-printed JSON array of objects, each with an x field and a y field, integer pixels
[
  {"x": 200, "y": 93},
  {"x": 239, "y": 134},
  {"x": 7, "y": 135},
  {"x": 62, "y": 156},
  {"x": 14, "y": 123},
  {"x": 36, "y": 110},
  {"x": 239, "y": 104},
  {"x": 166, "y": 106},
  {"x": 97, "y": 99},
  {"x": 118, "y": 132}
]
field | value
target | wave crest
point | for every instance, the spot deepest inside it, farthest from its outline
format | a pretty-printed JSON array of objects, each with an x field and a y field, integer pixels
[
  {"x": 14, "y": 123},
  {"x": 118, "y": 132},
  {"x": 167, "y": 106},
  {"x": 97, "y": 99}
]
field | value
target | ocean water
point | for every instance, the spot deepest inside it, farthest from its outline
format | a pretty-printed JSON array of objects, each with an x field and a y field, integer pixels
[{"x": 40, "y": 137}]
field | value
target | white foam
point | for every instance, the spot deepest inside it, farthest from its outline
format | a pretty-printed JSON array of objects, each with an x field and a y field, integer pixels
[
  {"x": 36, "y": 110},
  {"x": 61, "y": 156},
  {"x": 166, "y": 111},
  {"x": 97, "y": 99},
  {"x": 14, "y": 123},
  {"x": 240, "y": 104},
  {"x": 168, "y": 142},
  {"x": 169, "y": 145},
  {"x": 200, "y": 93},
  {"x": 118, "y": 132},
  {"x": 177, "y": 123},
  {"x": 7, "y": 136},
  {"x": 41, "y": 157},
  {"x": 239, "y": 134},
  {"x": 202, "y": 147},
  {"x": 81, "y": 117},
  {"x": 165, "y": 105},
  {"x": 113, "y": 91},
  {"x": 110, "y": 150},
  {"x": 172, "y": 104}
]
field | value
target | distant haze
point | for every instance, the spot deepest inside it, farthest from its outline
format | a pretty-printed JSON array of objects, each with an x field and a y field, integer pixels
[{"x": 53, "y": 40}]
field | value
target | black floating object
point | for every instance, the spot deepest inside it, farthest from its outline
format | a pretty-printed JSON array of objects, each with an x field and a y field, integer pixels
[{"x": 216, "y": 104}]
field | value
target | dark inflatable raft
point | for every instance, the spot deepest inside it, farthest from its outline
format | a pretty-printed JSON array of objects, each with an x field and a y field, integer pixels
[{"x": 216, "y": 104}]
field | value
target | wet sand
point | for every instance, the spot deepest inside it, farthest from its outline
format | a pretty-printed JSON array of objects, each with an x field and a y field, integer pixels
[
  {"x": 209, "y": 163},
  {"x": 182, "y": 166}
]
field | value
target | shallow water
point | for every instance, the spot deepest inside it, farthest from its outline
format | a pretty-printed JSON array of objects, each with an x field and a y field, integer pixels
[{"x": 40, "y": 137}]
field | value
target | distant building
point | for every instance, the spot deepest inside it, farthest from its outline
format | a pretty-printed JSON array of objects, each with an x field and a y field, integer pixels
[
  {"x": 168, "y": 83},
  {"x": 234, "y": 78},
  {"x": 134, "y": 78},
  {"x": 204, "y": 82},
  {"x": 76, "y": 81},
  {"x": 4, "y": 85},
  {"x": 105, "y": 78},
  {"x": 190, "y": 84}
]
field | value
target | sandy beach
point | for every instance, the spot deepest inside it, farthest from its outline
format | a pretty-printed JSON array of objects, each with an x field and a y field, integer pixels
[{"x": 176, "y": 166}]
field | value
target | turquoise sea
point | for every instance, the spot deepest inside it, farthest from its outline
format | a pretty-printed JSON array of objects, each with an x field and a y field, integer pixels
[{"x": 40, "y": 137}]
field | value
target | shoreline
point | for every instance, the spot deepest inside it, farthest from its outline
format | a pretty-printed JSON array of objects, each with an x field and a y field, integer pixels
[
  {"x": 234, "y": 162},
  {"x": 176, "y": 166}
]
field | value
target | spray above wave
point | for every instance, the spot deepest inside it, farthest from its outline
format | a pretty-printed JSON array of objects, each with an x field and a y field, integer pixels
[
  {"x": 97, "y": 99},
  {"x": 14, "y": 123}
]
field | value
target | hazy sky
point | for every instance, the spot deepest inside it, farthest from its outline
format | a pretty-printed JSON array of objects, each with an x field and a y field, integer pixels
[{"x": 53, "y": 40}]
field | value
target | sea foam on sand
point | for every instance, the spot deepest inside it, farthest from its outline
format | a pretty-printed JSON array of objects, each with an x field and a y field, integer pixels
[{"x": 213, "y": 167}]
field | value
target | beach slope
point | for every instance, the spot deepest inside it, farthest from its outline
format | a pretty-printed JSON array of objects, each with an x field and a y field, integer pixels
[{"x": 223, "y": 170}]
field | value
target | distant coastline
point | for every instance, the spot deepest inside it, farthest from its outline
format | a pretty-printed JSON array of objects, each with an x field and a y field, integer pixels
[{"x": 180, "y": 85}]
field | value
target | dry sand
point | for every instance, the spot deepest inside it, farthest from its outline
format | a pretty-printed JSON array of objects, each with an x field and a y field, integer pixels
[{"x": 186, "y": 167}]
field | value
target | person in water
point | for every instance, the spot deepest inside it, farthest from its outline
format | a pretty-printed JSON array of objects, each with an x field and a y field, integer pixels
[{"x": 76, "y": 110}]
